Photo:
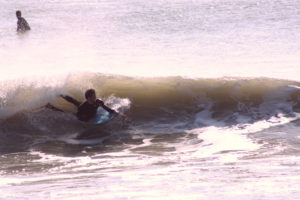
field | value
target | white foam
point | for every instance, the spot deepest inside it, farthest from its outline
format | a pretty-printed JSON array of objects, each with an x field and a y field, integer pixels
[
  {"x": 205, "y": 116},
  {"x": 219, "y": 140}
]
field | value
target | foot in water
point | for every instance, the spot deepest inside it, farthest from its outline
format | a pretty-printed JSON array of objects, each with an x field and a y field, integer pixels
[{"x": 51, "y": 107}]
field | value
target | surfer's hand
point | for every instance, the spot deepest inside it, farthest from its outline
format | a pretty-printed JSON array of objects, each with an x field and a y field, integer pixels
[
  {"x": 115, "y": 112},
  {"x": 99, "y": 102}
]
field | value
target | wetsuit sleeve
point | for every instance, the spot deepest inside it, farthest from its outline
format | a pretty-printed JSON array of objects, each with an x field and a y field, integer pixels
[
  {"x": 26, "y": 25},
  {"x": 101, "y": 103}
]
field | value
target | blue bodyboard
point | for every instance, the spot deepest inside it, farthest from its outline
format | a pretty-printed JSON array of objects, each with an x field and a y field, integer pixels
[{"x": 102, "y": 117}]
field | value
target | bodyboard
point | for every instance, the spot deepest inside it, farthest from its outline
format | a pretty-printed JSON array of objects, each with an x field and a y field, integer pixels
[{"x": 102, "y": 117}]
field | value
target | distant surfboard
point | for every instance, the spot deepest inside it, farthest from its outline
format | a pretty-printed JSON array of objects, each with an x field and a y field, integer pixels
[{"x": 102, "y": 117}]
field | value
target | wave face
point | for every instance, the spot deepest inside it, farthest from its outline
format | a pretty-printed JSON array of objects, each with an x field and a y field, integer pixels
[
  {"x": 150, "y": 104},
  {"x": 153, "y": 98}
]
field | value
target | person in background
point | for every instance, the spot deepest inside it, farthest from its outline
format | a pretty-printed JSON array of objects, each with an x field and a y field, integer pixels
[{"x": 22, "y": 25}]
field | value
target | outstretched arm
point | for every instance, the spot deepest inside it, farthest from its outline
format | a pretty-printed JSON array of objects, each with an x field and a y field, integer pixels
[{"x": 101, "y": 103}]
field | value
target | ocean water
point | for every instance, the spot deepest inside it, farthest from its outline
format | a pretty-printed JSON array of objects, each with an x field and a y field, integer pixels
[{"x": 208, "y": 91}]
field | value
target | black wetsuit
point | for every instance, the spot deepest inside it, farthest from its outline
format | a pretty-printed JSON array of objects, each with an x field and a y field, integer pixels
[
  {"x": 23, "y": 26},
  {"x": 87, "y": 111}
]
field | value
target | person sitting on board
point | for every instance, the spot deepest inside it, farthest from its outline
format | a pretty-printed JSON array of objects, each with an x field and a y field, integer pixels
[
  {"x": 22, "y": 25},
  {"x": 87, "y": 110}
]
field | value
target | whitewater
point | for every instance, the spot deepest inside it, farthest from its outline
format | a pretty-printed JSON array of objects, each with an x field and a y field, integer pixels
[{"x": 208, "y": 92}]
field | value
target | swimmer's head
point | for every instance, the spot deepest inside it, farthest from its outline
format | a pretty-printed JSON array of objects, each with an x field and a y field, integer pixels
[
  {"x": 18, "y": 14},
  {"x": 90, "y": 95}
]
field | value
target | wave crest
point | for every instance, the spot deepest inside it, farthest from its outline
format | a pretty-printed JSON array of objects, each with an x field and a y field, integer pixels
[{"x": 162, "y": 98}]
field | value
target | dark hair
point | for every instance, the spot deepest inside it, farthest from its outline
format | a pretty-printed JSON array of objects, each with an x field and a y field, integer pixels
[
  {"x": 18, "y": 13},
  {"x": 89, "y": 93}
]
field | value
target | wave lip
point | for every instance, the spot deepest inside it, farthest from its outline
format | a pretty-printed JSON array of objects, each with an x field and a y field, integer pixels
[{"x": 165, "y": 98}]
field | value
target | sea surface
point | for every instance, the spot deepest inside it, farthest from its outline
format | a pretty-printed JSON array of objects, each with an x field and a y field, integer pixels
[{"x": 208, "y": 92}]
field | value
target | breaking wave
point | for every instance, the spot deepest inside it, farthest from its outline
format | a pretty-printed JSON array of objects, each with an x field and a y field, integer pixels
[{"x": 165, "y": 104}]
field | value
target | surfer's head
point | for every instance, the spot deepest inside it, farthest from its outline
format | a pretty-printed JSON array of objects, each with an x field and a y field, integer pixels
[
  {"x": 90, "y": 95},
  {"x": 18, "y": 14}
]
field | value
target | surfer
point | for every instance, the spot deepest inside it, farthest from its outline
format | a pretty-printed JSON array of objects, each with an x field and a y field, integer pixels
[
  {"x": 87, "y": 110},
  {"x": 22, "y": 25}
]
